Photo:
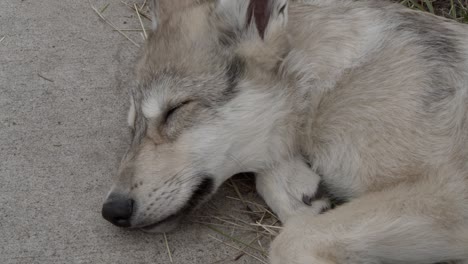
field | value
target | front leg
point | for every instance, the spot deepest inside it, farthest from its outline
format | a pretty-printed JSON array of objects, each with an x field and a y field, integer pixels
[
  {"x": 291, "y": 187},
  {"x": 424, "y": 222}
]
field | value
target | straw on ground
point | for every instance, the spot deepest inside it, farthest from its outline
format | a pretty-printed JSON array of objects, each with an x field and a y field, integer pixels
[
  {"x": 112, "y": 25},
  {"x": 168, "y": 248}
]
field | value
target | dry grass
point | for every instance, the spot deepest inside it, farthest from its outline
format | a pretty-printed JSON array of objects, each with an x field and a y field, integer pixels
[
  {"x": 249, "y": 229},
  {"x": 99, "y": 13},
  {"x": 169, "y": 252},
  {"x": 454, "y": 9}
]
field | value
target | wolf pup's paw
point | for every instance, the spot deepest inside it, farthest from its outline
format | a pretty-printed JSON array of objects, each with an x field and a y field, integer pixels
[{"x": 292, "y": 187}]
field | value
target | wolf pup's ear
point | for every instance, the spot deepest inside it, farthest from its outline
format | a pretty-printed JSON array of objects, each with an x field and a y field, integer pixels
[
  {"x": 162, "y": 9},
  {"x": 262, "y": 17},
  {"x": 256, "y": 29}
]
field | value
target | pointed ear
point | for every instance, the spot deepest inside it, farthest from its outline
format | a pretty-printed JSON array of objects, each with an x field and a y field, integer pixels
[
  {"x": 265, "y": 16},
  {"x": 162, "y": 9},
  {"x": 259, "y": 11}
]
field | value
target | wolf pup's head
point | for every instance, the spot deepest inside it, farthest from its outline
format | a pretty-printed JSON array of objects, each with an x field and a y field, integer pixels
[{"x": 204, "y": 107}]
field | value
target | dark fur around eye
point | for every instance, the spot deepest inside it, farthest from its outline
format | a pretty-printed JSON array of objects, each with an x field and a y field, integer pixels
[
  {"x": 281, "y": 11},
  {"x": 171, "y": 111}
]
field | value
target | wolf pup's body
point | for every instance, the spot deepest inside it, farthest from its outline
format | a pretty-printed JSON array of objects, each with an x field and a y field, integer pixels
[{"x": 373, "y": 96}]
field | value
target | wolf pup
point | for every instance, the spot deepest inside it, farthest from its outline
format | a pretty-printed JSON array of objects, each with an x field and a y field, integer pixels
[{"x": 372, "y": 95}]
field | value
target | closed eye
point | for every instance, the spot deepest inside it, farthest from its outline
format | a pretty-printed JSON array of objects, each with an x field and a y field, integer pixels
[
  {"x": 281, "y": 11},
  {"x": 174, "y": 109}
]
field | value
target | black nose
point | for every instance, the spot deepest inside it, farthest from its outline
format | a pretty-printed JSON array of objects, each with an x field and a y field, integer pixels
[{"x": 118, "y": 210}]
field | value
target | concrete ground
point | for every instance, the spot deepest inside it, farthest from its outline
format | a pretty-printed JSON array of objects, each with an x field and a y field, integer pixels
[{"x": 64, "y": 75}]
